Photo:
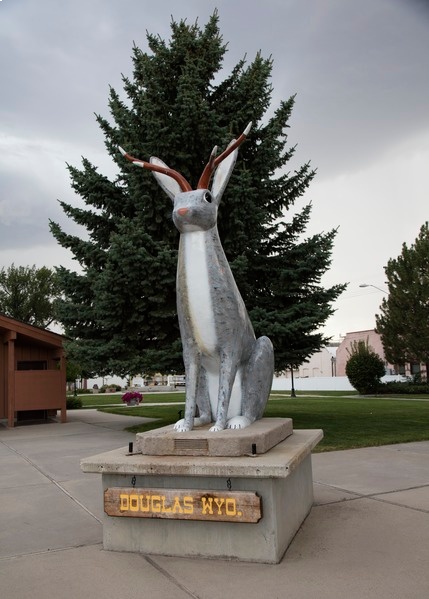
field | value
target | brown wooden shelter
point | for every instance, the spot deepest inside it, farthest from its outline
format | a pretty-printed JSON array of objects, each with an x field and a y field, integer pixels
[{"x": 32, "y": 372}]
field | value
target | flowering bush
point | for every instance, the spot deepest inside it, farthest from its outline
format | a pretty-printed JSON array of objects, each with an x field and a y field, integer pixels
[{"x": 133, "y": 396}]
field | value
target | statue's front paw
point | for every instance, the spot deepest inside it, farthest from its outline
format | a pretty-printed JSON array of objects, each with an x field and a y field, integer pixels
[
  {"x": 238, "y": 422},
  {"x": 181, "y": 426},
  {"x": 215, "y": 428}
]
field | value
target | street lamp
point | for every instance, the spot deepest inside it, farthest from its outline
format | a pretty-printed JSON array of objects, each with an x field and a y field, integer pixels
[
  {"x": 292, "y": 390},
  {"x": 375, "y": 287}
]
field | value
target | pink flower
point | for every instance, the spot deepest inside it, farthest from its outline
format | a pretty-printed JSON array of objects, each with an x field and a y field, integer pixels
[{"x": 132, "y": 395}]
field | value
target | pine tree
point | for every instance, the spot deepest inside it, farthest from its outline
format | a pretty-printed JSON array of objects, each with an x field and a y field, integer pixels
[
  {"x": 121, "y": 310},
  {"x": 404, "y": 320}
]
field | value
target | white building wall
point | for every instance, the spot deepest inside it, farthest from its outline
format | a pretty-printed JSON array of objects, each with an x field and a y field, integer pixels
[
  {"x": 322, "y": 383},
  {"x": 319, "y": 364}
]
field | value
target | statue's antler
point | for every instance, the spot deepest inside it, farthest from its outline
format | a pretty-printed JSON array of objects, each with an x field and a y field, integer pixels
[
  {"x": 184, "y": 185},
  {"x": 204, "y": 181},
  {"x": 213, "y": 162}
]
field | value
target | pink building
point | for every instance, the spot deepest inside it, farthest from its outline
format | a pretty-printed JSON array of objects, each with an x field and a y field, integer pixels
[{"x": 374, "y": 341}]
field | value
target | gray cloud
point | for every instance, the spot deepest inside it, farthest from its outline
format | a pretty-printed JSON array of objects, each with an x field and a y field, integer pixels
[{"x": 359, "y": 70}]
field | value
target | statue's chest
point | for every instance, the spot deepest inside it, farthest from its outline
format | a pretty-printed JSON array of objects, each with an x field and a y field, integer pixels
[{"x": 196, "y": 288}]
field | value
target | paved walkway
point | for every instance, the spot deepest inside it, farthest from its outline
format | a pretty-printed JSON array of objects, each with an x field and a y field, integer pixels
[{"x": 367, "y": 536}]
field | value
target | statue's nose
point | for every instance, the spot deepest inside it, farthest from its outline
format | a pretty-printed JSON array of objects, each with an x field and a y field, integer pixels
[{"x": 183, "y": 211}]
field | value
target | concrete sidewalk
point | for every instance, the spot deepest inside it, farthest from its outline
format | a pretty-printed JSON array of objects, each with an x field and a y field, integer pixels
[{"x": 367, "y": 535}]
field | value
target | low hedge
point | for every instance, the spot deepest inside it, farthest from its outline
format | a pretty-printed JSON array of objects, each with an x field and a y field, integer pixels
[
  {"x": 110, "y": 388},
  {"x": 405, "y": 388}
]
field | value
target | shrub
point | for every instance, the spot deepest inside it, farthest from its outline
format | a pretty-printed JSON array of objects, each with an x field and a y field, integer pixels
[
  {"x": 364, "y": 368},
  {"x": 73, "y": 403},
  {"x": 403, "y": 388},
  {"x": 109, "y": 388}
]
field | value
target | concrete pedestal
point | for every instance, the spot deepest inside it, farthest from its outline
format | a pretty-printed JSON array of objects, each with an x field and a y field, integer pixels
[{"x": 282, "y": 478}]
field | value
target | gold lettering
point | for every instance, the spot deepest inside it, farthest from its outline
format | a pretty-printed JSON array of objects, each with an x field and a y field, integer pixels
[
  {"x": 219, "y": 502},
  {"x": 134, "y": 503},
  {"x": 141, "y": 502},
  {"x": 177, "y": 507},
  {"x": 125, "y": 502},
  {"x": 143, "y": 507},
  {"x": 164, "y": 509},
  {"x": 155, "y": 503},
  {"x": 231, "y": 511},
  {"x": 188, "y": 504},
  {"x": 206, "y": 506}
]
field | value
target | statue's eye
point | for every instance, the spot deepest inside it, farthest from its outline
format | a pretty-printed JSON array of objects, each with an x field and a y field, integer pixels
[{"x": 208, "y": 197}]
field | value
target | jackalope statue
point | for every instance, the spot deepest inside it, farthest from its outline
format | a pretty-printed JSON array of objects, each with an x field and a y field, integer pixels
[{"x": 228, "y": 371}]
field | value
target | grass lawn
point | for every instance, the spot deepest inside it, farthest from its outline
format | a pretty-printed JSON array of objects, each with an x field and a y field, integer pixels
[
  {"x": 285, "y": 393},
  {"x": 348, "y": 421},
  {"x": 351, "y": 422},
  {"x": 100, "y": 399}
]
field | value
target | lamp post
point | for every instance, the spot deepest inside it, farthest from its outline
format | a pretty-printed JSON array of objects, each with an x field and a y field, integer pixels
[
  {"x": 375, "y": 287},
  {"x": 292, "y": 391},
  {"x": 333, "y": 366}
]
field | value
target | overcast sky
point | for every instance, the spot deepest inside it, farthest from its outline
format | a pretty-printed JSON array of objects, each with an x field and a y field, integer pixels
[{"x": 360, "y": 72}]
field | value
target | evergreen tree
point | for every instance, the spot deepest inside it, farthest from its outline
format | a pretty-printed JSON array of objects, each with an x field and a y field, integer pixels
[
  {"x": 28, "y": 293},
  {"x": 404, "y": 320},
  {"x": 121, "y": 310}
]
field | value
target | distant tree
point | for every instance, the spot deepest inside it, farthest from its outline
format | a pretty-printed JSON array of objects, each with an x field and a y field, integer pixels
[
  {"x": 29, "y": 294},
  {"x": 73, "y": 372},
  {"x": 120, "y": 310},
  {"x": 404, "y": 319},
  {"x": 364, "y": 368}
]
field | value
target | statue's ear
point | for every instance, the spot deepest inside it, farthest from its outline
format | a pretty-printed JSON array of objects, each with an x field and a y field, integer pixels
[
  {"x": 222, "y": 174},
  {"x": 168, "y": 184}
]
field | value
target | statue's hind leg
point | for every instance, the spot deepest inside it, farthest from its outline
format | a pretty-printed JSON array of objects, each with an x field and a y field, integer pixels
[
  {"x": 203, "y": 400},
  {"x": 202, "y": 403},
  {"x": 257, "y": 380}
]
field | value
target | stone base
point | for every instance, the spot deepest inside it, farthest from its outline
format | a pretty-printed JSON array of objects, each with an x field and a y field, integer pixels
[
  {"x": 258, "y": 438},
  {"x": 282, "y": 478}
]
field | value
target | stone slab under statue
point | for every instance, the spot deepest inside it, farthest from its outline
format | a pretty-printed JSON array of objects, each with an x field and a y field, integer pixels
[{"x": 256, "y": 439}]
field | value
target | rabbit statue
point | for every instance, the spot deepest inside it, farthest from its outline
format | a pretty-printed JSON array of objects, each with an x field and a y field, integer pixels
[{"x": 228, "y": 371}]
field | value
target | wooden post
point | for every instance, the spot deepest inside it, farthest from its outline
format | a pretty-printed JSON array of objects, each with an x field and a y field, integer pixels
[
  {"x": 10, "y": 338},
  {"x": 60, "y": 356},
  {"x": 63, "y": 387}
]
